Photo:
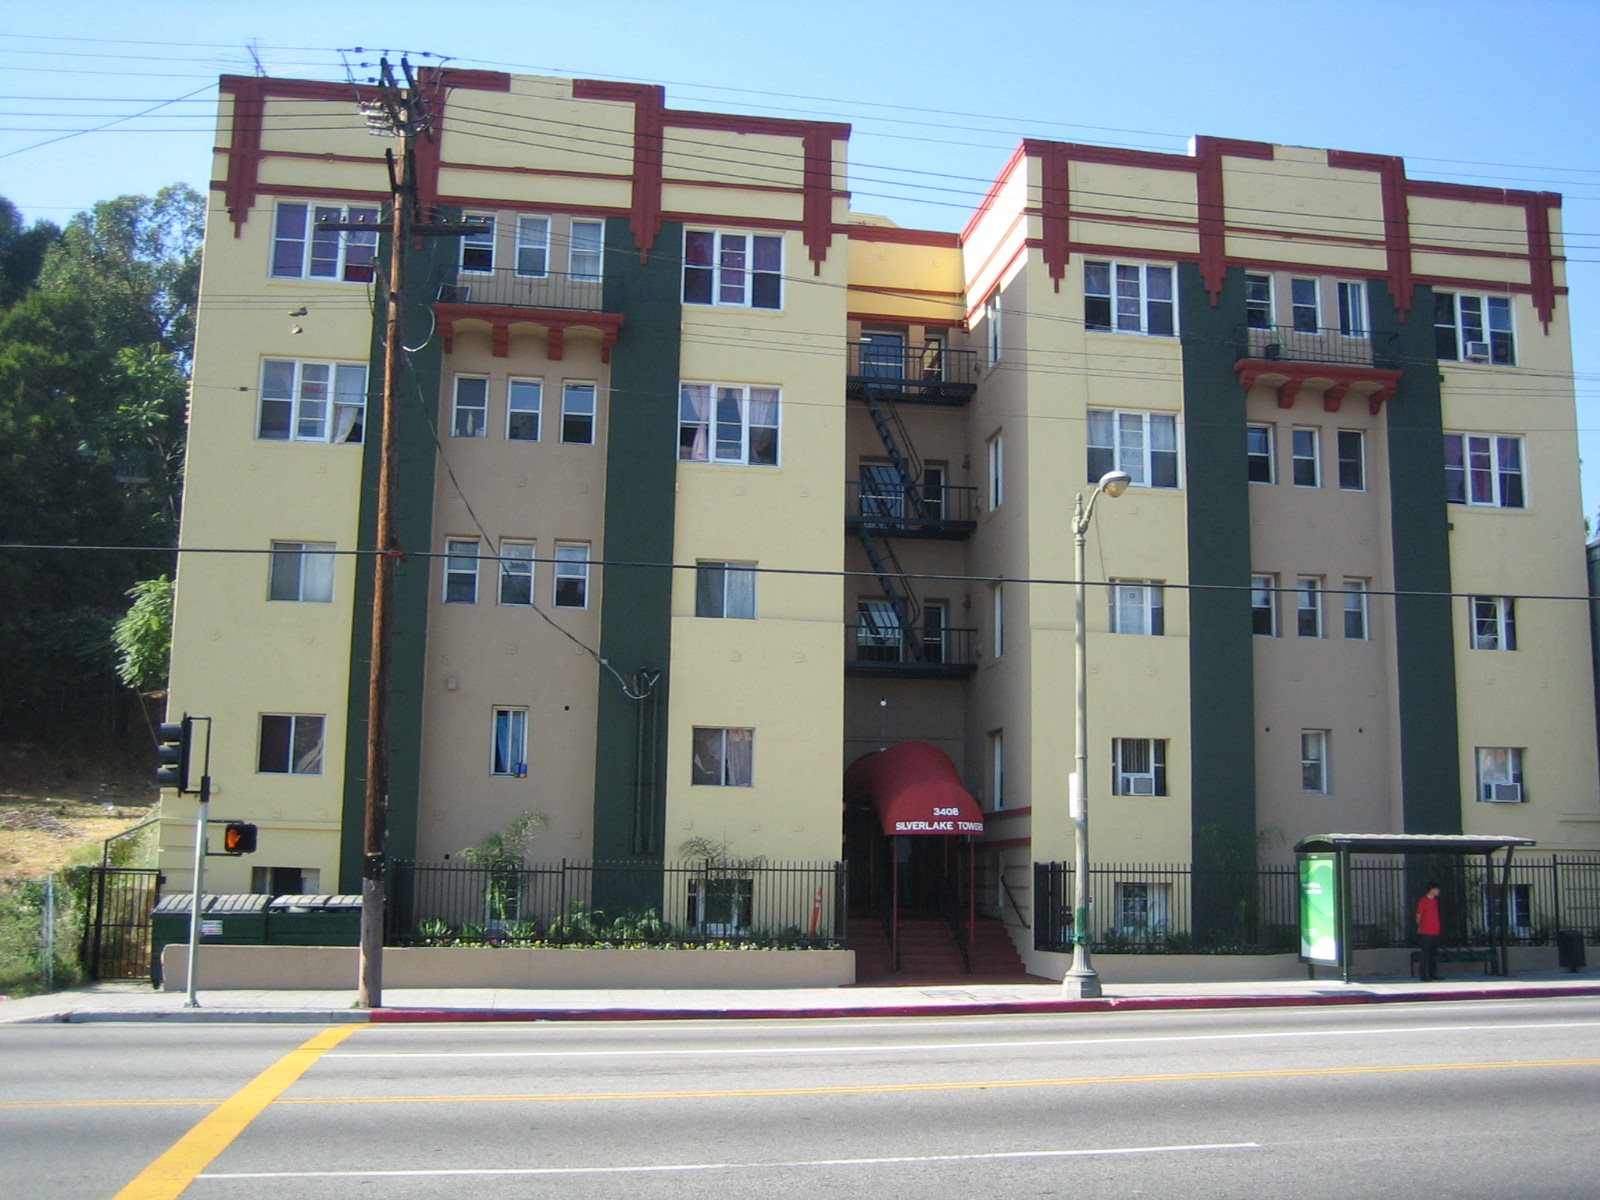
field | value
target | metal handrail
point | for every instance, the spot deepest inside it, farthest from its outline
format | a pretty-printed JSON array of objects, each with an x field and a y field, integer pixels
[
  {"x": 508, "y": 288},
  {"x": 1005, "y": 891},
  {"x": 1292, "y": 343}
]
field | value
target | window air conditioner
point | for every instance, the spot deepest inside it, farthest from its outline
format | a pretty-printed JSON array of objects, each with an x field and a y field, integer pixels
[
  {"x": 455, "y": 293},
  {"x": 1477, "y": 351},
  {"x": 1504, "y": 793},
  {"x": 1138, "y": 785}
]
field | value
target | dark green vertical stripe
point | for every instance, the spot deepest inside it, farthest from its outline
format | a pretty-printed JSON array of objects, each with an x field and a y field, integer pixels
[{"x": 1425, "y": 665}]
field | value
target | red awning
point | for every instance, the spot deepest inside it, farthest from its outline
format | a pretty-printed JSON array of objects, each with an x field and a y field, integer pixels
[{"x": 916, "y": 791}]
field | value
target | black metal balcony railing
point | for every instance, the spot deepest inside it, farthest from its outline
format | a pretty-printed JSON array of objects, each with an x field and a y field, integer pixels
[
  {"x": 923, "y": 510},
  {"x": 1292, "y": 343},
  {"x": 509, "y": 288},
  {"x": 876, "y": 648},
  {"x": 931, "y": 372}
]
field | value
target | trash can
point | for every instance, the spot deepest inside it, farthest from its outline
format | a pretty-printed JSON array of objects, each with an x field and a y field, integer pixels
[
  {"x": 314, "y": 921},
  {"x": 236, "y": 920},
  {"x": 1569, "y": 949}
]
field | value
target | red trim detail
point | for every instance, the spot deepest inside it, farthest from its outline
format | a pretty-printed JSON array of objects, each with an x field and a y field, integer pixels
[
  {"x": 1391, "y": 172},
  {"x": 1333, "y": 398},
  {"x": 1290, "y": 378},
  {"x": 905, "y": 237},
  {"x": 477, "y": 81},
  {"x": 1055, "y": 209},
  {"x": 903, "y": 319},
  {"x": 500, "y": 318},
  {"x": 1002, "y": 843},
  {"x": 1541, "y": 258},
  {"x": 300, "y": 191},
  {"x": 648, "y": 102},
  {"x": 244, "y": 154},
  {"x": 1212, "y": 204},
  {"x": 1112, "y": 156},
  {"x": 819, "y": 194},
  {"x": 1288, "y": 390},
  {"x": 500, "y": 339}
]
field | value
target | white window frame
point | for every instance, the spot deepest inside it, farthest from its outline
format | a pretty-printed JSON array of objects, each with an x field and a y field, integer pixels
[
  {"x": 1138, "y": 607},
  {"x": 1132, "y": 304},
  {"x": 1357, "y": 615},
  {"x": 997, "y": 609},
  {"x": 331, "y": 408},
  {"x": 508, "y": 755},
  {"x": 1265, "y": 452},
  {"x": 516, "y": 573},
  {"x": 586, "y": 261},
  {"x": 994, "y": 329},
  {"x": 305, "y": 745},
  {"x": 1256, "y": 304},
  {"x": 533, "y": 237},
  {"x": 1475, "y": 320},
  {"x": 1132, "y": 448},
  {"x": 353, "y": 251},
  {"x": 478, "y": 246},
  {"x": 304, "y": 569},
  {"x": 571, "y": 570},
  {"x": 579, "y": 427},
  {"x": 1264, "y": 588},
  {"x": 997, "y": 770},
  {"x": 461, "y": 559},
  {"x": 1315, "y": 777},
  {"x": 729, "y": 271},
  {"x": 1308, "y": 606},
  {"x": 1492, "y": 622},
  {"x": 1352, "y": 296},
  {"x": 1305, "y": 305},
  {"x": 1304, "y": 455},
  {"x": 715, "y": 759},
  {"x": 725, "y": 589},
  {"x": 995, "y": 451},
  {"x": 1499, "y": 774},
  {"x": 467, "y": 419},
  {"x": 1462, "y": 483},
  {"x": 1348, "y": 482},
  {"x": 711, "y": 432},
  {"x": 1136, "y": 751},
  {"x": 524, "y": 398}
]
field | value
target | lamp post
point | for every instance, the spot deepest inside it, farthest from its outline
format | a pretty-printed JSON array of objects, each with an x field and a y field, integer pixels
[{"x": 1081, "y": 981}]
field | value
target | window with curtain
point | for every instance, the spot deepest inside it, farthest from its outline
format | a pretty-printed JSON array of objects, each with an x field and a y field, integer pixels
[
  {"x": 723, "y": 757},
  {"x": 586, "y": 251},
  {"x": 524, "y": 399},
  {"x": 1484, "y": 469},
  {"x": 510, "y": 751},
  {"x": 302, "y": 571},
  {"x": 739, "y": 269},
  {"x": 291, "y": 744},
  {"x": 471, "y": 418},
  {"x": 533, "y": 247},
  {"x": 516, "y": 572},
  {"x": 302, "y": 251},
  {"x": 1145, "y": 445},
  {"x": 304, "y": 401},
  {"x": 725, "y": 589},
  {"x": 728, "y": 423}
]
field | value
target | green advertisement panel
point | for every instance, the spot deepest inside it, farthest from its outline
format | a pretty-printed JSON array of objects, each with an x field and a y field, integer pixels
[{"x": 1319, "y": 909}]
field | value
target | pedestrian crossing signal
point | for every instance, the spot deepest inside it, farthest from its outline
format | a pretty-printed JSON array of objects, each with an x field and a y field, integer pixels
[{"x": 239, "y": 837}]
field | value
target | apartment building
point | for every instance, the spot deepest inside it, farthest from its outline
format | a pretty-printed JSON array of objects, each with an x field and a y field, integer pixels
[{"x": 711, "y": 488}]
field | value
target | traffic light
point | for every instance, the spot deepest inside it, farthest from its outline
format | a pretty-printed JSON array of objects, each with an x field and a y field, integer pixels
[
  {"x": 172, "y": 754},
  {"x": 239, "y": 837}
]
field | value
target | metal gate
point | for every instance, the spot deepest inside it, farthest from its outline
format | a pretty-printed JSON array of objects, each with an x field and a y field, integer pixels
[{"x": 116, "y": 933}]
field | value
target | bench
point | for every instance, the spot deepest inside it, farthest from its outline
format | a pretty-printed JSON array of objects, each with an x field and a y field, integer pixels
[{"x": 1447, "y": 954}]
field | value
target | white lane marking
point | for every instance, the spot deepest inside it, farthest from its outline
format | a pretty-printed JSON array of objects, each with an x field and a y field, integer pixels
[
  {"x": 922, "y": 1047},
  {"x": 780, "y": 1164}
]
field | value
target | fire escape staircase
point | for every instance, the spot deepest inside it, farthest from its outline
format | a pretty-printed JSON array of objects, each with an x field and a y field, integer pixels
[{"x": 882, "y": 513}]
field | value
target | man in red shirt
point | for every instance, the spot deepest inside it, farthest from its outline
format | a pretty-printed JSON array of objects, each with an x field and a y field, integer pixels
[{"x": 1428, "y": 934}]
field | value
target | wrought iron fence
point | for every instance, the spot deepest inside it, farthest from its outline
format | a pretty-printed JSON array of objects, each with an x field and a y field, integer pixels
[
  {"x": 891, "y": 507},
  {"x": 516, "y": 289},
  {"x": 584, "y": 903},
  {"x": 1294, "y": 343},
  {"x": 1170, "y": 909},
  {"x": 873, "y": 645}
]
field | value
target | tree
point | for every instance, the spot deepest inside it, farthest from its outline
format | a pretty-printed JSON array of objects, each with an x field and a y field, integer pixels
[
  {"x": 22, "y": 252},
  {"x": 143, "y": 638}
]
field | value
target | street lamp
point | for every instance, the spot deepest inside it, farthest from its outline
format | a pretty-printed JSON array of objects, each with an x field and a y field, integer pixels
[{"x": 1081, "y": 981}]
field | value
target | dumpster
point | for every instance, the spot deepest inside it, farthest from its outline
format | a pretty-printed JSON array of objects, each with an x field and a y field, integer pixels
[
  {"x": 1569, "y": 949},
  {"x": 314, "y": 921},
  {"x": 240, "y": 920}
]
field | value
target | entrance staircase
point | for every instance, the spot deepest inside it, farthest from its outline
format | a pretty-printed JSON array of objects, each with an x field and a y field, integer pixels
[{"x": 929, "y": 953}]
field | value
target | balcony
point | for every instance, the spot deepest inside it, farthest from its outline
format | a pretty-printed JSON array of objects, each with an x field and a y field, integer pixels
[
  {"x": 928, "y": 374},
  {"x": 1327, "y": 364},
  {"x": 882, "y": 650},
  {"x": 503, "y": 299},
  {"x": 888, "y": 509},
  {"x": 1309, "y": 344}
]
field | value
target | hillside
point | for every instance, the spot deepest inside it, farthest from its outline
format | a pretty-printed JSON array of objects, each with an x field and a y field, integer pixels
[{"x": 58, "y": 806}]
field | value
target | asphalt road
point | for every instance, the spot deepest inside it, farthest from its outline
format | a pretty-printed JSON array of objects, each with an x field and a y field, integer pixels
[{"x": 1497, "y": 1098}]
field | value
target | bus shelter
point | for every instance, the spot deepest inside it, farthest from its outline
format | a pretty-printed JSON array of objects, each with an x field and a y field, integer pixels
[{"x": 1326, "y": 894}]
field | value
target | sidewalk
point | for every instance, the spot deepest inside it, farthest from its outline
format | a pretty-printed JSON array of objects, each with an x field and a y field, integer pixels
[{"x": 138, "y": 1002}]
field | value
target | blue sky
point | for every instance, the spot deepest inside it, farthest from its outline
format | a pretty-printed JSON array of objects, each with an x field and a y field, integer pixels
[{"x": 1497, "y": 93}]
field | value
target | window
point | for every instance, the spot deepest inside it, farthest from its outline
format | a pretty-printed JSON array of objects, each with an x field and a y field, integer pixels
[
  {"x": 1129, "y": 298},
  {"x": 523, "y": 400},
  {"x": 1483, "y": 469},
  {"x": 1258, "y": 453},
  {"x": 1353, "y": 309},
  {"x": 1264, "y": 605},
  {"x": 509, "y": 753},
  {"x": 1308, "y": 606},
  {"x": 1303, "y": 305},
  {"x": 878, "y": 636},
  {"x": 1494, "y": 622},
  {"x": 740, "y": 269},
  {"x": 311, "y": 401},
  {"x": 285, "y": 881},
  {"x": 577, "y": 414},
  {"x": 1145, "y": 445},
  {"x": 572, "y": 575},
  {"x": 302, "y": 571},
  {"x": 1142, "y": 910},
  {"x": 1314, "y": 761},
  {"x": 1136, "y": 607},
  {"x": 992, "y": 325},
  {"x": 1258, "y": 301},
  {"x": 461, "y": 571},
  {"x": 722, "y": 757},
  {"x": 997, "y": 770},
  {"x": 997, "y": 475},
  {"x": 725, "y": 589},
  {"x": 1357, "y": 628},
  {"x": 1138, "y": 767},
  {"x": 471, "y": 417},
  {"x": 1303, "y": 445},
  {"x": 1352, "y": 460},
  {"x": 720, "y": 905},
  {"x": 477, "y": 247},
  {"x": 516, "y": 572},
  {"x": 291, "y": 744},
  {"x": 586, "y": 251},
  {"x": 742, "y": 428},
  {"x": 997, "y": 608},
  {"x": 302, "y": 251},
  {"x": 1473, "y": 329},
  {"x": 1500, "y": 775},
  {"x": 533, "y": 247}
]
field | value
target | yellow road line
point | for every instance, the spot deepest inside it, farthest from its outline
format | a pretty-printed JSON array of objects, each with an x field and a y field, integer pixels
[{"x": 169, "y": 1175}]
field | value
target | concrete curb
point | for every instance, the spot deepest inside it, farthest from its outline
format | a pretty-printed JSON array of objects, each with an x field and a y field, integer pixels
[{"x": 184, "y": 1016}]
